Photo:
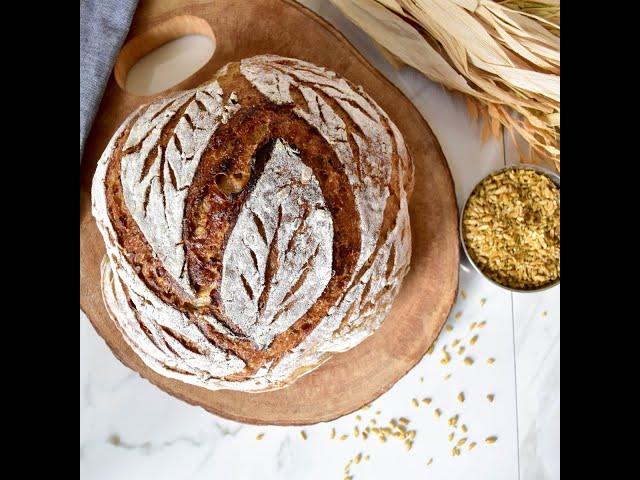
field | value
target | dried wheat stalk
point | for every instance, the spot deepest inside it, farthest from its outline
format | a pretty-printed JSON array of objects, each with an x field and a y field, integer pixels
[{"x": 503, "y": 60}]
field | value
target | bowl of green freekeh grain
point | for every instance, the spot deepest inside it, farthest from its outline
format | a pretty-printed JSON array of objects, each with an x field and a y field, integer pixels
[{"x": 510, "y": 228}]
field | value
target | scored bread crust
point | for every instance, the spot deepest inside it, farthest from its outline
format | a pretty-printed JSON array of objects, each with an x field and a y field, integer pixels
[{"x": 254, "y": 225}]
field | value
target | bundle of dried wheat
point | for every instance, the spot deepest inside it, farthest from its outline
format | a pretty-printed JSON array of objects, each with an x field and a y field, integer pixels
[{"x": 503, "y": 59}]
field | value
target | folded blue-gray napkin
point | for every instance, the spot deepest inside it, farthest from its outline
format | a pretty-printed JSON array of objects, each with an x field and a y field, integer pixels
[{"x": 103, "y": 27}]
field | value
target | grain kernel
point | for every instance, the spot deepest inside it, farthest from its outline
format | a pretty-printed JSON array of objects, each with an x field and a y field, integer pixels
[
  {"x": 490, "y": 440},
  {"x": 260, "y": 436}
]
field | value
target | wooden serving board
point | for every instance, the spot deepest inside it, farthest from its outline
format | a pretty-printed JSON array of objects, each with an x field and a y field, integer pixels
[{"x": 349, "y": 380}]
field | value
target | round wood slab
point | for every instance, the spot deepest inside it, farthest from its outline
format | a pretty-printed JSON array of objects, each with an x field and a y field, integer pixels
[{"x": 351, "y": 379}]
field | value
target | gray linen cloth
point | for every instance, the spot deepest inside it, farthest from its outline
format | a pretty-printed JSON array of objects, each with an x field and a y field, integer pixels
[{"x": 104, "y": 25}]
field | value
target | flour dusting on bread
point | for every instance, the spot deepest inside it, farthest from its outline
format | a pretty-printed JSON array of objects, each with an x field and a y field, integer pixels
[{"x": 254, "y": 225}]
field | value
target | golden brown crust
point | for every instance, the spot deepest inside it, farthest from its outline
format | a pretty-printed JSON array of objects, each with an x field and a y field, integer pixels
[{"x": 226, "y": 175}]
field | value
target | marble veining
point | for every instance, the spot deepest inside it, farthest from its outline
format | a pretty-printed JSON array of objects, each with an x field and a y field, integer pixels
[{"x": 162, "y": 438}]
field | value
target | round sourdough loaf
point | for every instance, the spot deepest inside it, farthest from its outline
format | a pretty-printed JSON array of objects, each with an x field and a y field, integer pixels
[{"x": 254, "y": 225}]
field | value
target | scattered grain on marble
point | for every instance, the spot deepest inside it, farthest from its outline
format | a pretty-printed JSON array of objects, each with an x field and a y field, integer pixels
[
  {"x": 461, "y": 397},
  {"x": 344, "y": 437},
  {"x": 451, "y": 435},
  {"x": 356, "y": 432},
  {"x": 472, "y": 445},
  {"x": 455, "y": 452},
  {"x": 447, "y": 376},
  {"x": 473, "y": 340},
  {"x": 482, "y": 324},
  {"x": 414, "y": 402},
  {"x": 378, "y": 412},
  {"x": 461, "y": 442},
  {"x": 468, "y": 361},
  {"x": 430, "y": 461},
  {"x": 490, "y": 440},
  {"x": 455, "y": 343},
  {"x": 491, "y": 360},
  {"x": 473, "y": 325},
  {"x": 458, "y": 316},
  {"x": 483, "y": 301},
  {"x": 437, "y": 412},
  {"x": 357, "y": 458},
  {"x": 464, "y": 428},
  {"x": 545, "y": 313},
  {"x": 403, "y": 420},
  {"x": 333, "y": 433},
  {"x": 453, "y": 421},
  {"x": 260, "y": 436},
  {"x": 461, "y": 350},
  {"x": 463, "y": 294},
  {"x": 446, "y": 358},
  {"x": 448, "y": 327},
  {"x": 421, "y": 379},
  {"x": 490, "y": 397},
  {"x": 358, "y": 418},
  {"x": 426, "y": 401},
  {"x": 303, "y": 434},
  {"x": 367, "y": 457}
]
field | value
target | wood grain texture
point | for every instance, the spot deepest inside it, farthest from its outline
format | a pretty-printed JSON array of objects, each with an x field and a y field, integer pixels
[{"x": 350, "y": 379}]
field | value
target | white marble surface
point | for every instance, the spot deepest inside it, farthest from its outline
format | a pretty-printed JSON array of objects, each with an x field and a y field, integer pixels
[{"x": 132, "y": 430}]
